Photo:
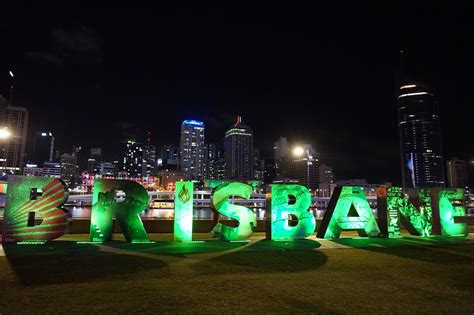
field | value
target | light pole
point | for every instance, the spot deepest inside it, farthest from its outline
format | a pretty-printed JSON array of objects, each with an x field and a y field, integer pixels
[
  {"x": 11, "y": 88},
  {"x": 4, "y": 135},
  {"x": 300, "y": 152}
]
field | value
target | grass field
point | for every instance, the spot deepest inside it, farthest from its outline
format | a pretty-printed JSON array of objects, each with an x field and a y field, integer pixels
[{"x": 409, "y": 275}]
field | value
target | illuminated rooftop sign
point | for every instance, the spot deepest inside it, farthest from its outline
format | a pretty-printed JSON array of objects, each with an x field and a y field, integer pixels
[{"x": 193, "y": 123}]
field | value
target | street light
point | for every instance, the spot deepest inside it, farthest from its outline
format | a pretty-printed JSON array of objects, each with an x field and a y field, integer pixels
[
  {"x": 11, "y": 88},
  {"x": 299, "y": 152},
  {"x": 5, "y": 133}
]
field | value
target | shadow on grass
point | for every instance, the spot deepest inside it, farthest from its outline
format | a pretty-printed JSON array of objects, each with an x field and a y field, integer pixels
[
  {"x": 179, "y": 249},
  {"x": 427, "y": 249},
  {"x": 67, "y": 262},
  {"x": 266, "y": 256}
]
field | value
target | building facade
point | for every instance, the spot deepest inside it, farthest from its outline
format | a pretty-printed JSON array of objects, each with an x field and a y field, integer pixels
[
  {"x": 420, "y": 137},
  {"x": 239, "y": 152},
  {"x": 15, "y": 119},
  {"x": 69, "y": 168},
  {"x": 192, "y": 147},
  {"x": 131, "y": 162}
]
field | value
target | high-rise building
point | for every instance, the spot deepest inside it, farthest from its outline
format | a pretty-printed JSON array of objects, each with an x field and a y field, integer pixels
[
  {"x": 420, "y": 138},
  {"x": 239, "y": 152},
  {"x": 43, "y": 147},
  {"x": 258, "y": 165},
  {"x": 269, "y": 171},
  {"x": 326, "y": 180},
  {"x": 168, "y": 157},
  {"x": 281, "y": 148},
  {"x": 213, "y": 153},
  {"x": 94, "y": 161},
  {"x": 69, "y": 168},
  {"x": 15, "y": 119},
  {"x": 107, "y": 169},
  {"x": 301, "y": 168},
  {"x": 149, "y": 159},
  {"x": 457, "y": 173},
  {"x": 131, "y": 159},
  {"x": 191, "y": 153}
]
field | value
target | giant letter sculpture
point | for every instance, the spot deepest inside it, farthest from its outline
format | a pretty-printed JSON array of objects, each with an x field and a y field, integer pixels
[
  {"x": 247, "y": 220},
  {"x": 416, "y": 221},
  {"x": 30, "y": 196},
  {"x": 105, "y": 208},
  {"x": 183, "y": 212},
  {"x": 348, "y": 210},
  {"x": 447, "y": 206},
  {"x": 283, "y": 214}
]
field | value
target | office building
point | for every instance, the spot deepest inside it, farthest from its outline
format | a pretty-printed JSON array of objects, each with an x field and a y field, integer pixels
[
  {"x": 52, "y": 169},
  {"x": 213, "y": 154},
  {"x": 326, "y": 180},
  {"x": 149, "y": 160},
  {"x": 301, "y": 168},
  {"x": 168, "y": 157},
  {"x": 239, "y": 152},
  {"x": 191, "y": 161},
  {"x": 420, "y": 137},
  {"x": 94, "y": 161},
  {"x": 131, "y": 159},
  {"x": 69, "y": 168},
  {"x": 15, "y": 119}
]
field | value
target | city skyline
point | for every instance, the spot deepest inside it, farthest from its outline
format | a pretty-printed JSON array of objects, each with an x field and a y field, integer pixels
[{"x": 315, "y": 82}]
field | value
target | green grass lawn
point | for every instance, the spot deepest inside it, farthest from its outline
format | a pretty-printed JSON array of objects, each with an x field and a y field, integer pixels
[{"x": 409, "y": 275}]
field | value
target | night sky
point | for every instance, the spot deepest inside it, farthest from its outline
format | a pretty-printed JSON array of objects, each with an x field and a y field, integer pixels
[{"x": 320, "y": 74}]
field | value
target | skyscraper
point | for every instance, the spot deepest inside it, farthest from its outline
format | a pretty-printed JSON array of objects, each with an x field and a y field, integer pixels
[
  {"x": 239, "y": 151},
  {"x": 69, "y": 168},
  {"x": 131, "y": 159},
  {"x": 168, "y": 157},
  {"x": 302, "y": 168},
  {"x": 191, "y": 161},
  {"x": 420, "y": 138},
  {"x": 94, "y": 161},
  {"x": 211, "y": 157},
  {"x": 15, "y": 119},
  {"x": 149, "y": 157}
]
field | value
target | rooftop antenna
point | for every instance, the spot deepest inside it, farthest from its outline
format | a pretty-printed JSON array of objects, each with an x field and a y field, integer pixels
[{"x": 149, "y": 138}]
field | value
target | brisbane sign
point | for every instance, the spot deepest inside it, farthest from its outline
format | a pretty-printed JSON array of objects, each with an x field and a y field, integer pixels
[{"x": 422, "y": 212}]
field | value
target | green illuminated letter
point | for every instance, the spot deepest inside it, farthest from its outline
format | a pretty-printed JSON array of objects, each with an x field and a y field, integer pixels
[
  {"x": 417, "y": 222},
  {"x": 348, "y": 210},
  {"x": 450, "y": 205},
  {"x": 183, "y": 211},
  {"x": 105, "y": 208},
  {"x": 30, "y": 196},
  {"x": 284, "y": 214},
  {"x": 247, "y": 220}
]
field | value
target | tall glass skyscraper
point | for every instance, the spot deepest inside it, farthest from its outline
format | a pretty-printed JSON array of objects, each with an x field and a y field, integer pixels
[
  {"x": 420, "y": 137},
  {"x": 191, "y": 159},
  {"x": 239, "y": 151}
]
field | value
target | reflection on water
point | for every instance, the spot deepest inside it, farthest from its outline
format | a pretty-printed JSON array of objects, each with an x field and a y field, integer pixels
[{"x": 198, "y": 213}]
